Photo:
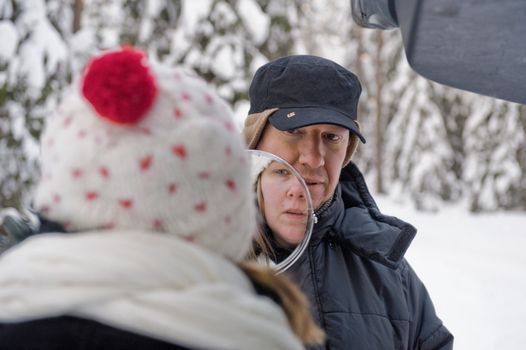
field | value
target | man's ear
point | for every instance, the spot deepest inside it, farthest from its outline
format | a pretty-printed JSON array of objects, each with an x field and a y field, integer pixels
[
  {"x": 351, "y": 148},
  {"x": 353, "y": 145}
]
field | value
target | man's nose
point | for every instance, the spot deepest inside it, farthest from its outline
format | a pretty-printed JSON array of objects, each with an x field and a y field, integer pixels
[{"x": 312, "y": 154}]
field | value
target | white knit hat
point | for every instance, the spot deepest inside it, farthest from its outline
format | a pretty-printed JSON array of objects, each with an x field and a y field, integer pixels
[
  {"x": 259, "y": 162},
  {"x": 150, "y": 148}
]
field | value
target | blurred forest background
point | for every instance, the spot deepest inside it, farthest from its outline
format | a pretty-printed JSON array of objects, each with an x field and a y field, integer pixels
[{"x": 427, "y": 143}]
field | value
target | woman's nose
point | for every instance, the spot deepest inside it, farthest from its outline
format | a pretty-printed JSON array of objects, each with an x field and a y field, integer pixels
[{"x": 296, "y": 190}]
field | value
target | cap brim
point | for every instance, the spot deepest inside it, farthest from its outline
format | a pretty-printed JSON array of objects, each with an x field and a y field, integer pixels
[{"x": 294, "y": 118}]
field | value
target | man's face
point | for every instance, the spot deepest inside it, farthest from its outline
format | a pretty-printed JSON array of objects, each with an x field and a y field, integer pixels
[{"x": 316, "y": 151}]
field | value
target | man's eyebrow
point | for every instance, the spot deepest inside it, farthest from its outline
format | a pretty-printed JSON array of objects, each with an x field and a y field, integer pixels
[{"x": 336, "y": 130}]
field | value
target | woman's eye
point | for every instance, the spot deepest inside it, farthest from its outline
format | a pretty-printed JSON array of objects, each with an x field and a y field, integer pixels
[{"x": 282, "y": 172}]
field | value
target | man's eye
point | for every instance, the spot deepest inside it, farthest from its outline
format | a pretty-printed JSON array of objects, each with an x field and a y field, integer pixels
[
  {"x": 293, "y": 132},
  {"x": 333, "y": 137}
]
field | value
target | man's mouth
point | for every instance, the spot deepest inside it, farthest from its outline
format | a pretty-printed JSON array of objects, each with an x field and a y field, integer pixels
[{"x": 313, "y": 182}]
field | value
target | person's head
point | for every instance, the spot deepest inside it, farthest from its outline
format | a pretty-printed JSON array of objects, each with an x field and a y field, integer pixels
[
  {"x": 138, "y": 145},
  {"x": 142, "y": 146},
  {"x": 282, "y": 201},
  {"x": 304, "y": 109}
]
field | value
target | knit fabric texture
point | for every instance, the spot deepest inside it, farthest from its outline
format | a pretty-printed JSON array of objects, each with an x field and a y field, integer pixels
[{"x": 139, "y": 145}]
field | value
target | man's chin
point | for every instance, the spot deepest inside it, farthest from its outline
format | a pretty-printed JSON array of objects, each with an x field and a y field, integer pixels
[
  {"x": 318, "y": 203},
  {"x": 318, "y": 197}
]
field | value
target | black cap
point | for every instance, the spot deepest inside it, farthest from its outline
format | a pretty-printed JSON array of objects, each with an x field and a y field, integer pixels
[{"x": 306, "y": 90}]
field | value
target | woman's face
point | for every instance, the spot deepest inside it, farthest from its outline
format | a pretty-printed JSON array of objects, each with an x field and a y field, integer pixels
[{"x": 284, "y": 204}]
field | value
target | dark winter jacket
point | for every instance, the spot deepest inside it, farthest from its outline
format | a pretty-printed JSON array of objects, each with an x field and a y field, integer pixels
[
  {"x": 364, "y": 293},
  {"x": 72, "y": 333}
]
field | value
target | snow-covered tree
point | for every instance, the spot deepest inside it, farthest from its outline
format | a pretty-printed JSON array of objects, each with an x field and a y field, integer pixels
[
  {"x": 33, "y": 70},
  {"x": 495, "y": 141},
  {"x": 224, "y": 41},
  {"x": 426, "y": 142}
]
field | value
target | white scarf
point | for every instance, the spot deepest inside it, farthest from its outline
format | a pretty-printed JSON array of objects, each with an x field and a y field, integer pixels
[{"x": 147, "y": 283}]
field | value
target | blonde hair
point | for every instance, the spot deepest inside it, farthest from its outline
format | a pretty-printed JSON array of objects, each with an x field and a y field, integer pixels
[
  {"x": 291, "y": 299},
  {"x": 261, "y": 245}
]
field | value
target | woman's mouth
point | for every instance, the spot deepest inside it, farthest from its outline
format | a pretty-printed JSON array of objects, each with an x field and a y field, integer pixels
[
  {"x": 296, "y": 212},
  {"x": 296, "y": 216}
]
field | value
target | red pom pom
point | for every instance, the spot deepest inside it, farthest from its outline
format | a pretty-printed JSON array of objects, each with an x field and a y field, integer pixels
[{"x": 120, "y": 86}]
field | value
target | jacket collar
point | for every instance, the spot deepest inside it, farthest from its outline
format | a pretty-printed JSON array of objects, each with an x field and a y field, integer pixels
[{"x": 353, "y": 219}]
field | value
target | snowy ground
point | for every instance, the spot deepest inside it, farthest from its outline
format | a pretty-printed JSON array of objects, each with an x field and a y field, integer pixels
[{"x": 474, "y": 267}]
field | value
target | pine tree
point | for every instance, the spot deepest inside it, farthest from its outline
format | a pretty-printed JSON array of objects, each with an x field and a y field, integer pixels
[
  {"x": 224, "y": 41},
  {"x": 31, "y": 75},
  {"x": 495, "y": 143},
  {"x": 426, "y": 142}
]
